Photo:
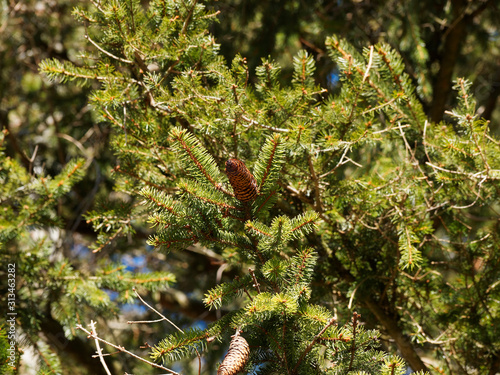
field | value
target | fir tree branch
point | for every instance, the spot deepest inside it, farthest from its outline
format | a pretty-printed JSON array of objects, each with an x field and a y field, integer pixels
[
  {"x": 272, "y": 153},
  {"x": 267, "y": 199},
  {"x": 318, "y": 206},
  {"x": 220, "y": 293},
  {"x": 385, "y": 104},
  {"x": 55, "y": 67},
  {"x": 398, "y": 80},
  {"x": 188, "y": 17},
  {"x": 304, "y": 222},
  {"x": 150, "y": 195},
  {"x": 305, "y": 262},
  {"x": 194, "y": 151},
  {"x": 470, "y": 122},
  {"x": 355, "y": 317},
  {"x": 311, "y": 345},
  {"x": 129, "y": 172},
  {"x": 222, "y": 205},
  {"x": 250, "y": 225},
  {"x": 109, "y": 240}
]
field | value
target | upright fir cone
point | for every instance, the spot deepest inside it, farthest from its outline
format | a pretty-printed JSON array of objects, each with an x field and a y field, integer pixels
[
  {"x": 243, "y": 183},
  {"x": 236, "y": 357}
]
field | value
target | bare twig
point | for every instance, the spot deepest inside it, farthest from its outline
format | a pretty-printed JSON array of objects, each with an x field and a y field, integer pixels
[
  {"x": 74, "y": 141},
  {"x": 255, "y": 282},
  {"x": 368, "y": 66},
  {"x": 380, "y": 106},
  {"x": 98, "y": 348},
  {"x": 106, "y": 52},
  {"x": 274, "y": 129},
  {"x": 123, "y": 350},
  {"x": 144, "y": 321},
  {"x": 390, "y": 128},
  {"x": 172, "y": 323},
  {"x": 351, "y": 299},
  {"x": 244, "y": 289},
  {"x": 156, "y": 311},
  {"x": 97, "y": 4},
  {"x": 424, "y": 142},
  {"x": 470, "y": 175},
  {"x": 32, "y": 159}
]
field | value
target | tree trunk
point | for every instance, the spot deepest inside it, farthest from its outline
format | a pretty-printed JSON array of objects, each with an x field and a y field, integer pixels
[
  {"x": 455, "y": 35},
  {"x": 391, "y": 327}
]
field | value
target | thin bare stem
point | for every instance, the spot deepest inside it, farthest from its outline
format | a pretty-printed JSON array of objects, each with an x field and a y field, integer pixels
[
  {"x": 144, "y": 321},
  {"x": 355, "y": 317},
  {"x": 106, "y": 52},
  {"x": 123, "y": 350},
  {"x": 156, "y": 311},
  {"x": 367, "y": 74},
  {"x": 255, "y": 282},
  {"x": 98, "y": 348},
  {"x": 274, "y": 129},
  {"x": 172, "y": 323},
  {"x": 244, "y": 289}
]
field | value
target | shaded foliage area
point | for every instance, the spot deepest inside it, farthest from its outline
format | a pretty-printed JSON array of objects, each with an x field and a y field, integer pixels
[{"x": 438, "y": 40}]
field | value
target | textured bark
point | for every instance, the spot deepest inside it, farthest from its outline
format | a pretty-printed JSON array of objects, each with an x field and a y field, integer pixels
[
  {"x": 455, "y": 35},
  {"x": 491, "y": 103},
  {"x": 450, "y": 54}
]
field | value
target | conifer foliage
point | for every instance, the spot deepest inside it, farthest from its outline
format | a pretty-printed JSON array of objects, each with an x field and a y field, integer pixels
[{"x": 317, "y": 203}]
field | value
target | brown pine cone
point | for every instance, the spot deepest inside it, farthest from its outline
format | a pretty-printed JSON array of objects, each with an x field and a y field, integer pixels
[
  {"x": 236, "y": 357},
  {"x": 243, "y": 183}
]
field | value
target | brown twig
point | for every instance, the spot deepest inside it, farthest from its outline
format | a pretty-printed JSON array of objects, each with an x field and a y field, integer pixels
[
  {"x": 255, "y": 282},
  {"x": 188, "y": 17},
  {"x": 314, "y": 341},
  {"x": 355, "y": 317}
]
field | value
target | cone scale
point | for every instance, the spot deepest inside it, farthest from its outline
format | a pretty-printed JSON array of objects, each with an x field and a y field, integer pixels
[{"x": 242, "y": 181}]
